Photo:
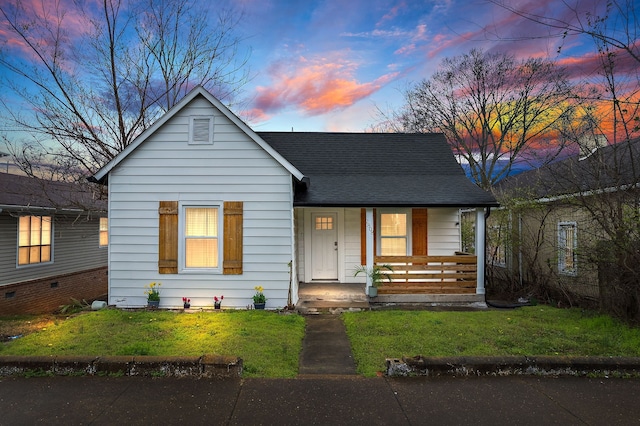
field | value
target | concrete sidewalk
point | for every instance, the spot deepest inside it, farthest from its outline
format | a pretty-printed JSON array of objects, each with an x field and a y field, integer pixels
[{"x": 336, "y": 400}]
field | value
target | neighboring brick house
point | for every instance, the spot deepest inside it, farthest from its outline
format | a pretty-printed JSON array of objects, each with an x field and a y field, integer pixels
[{"x": 54, "y": 244}]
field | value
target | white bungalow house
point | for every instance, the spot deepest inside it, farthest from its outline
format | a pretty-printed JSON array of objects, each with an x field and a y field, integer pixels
[{"x": 208, "y": 207}]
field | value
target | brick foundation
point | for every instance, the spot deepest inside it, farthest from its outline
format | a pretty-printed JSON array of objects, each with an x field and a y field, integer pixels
[{"x": 48, "y": 294}]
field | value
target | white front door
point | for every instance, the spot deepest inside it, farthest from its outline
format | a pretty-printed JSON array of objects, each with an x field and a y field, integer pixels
[{"x": 324, "y": 246}]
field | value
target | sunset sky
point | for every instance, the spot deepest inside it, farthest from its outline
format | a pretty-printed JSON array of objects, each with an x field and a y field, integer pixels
[{"x": 328, "y": 65}]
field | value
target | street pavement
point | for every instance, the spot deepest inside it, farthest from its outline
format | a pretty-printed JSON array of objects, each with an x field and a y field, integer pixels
[
  {"x": 327, "y": 391},
  {"x": 319, "y": 400}
]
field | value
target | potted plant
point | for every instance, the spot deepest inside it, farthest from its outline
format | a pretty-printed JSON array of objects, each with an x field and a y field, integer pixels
[
  {"x": 153, "y": 295},
  {"x": 217, "y": 302},
  {"x": 259, "y": 300},
  {"x": 377, "y": 273},
  {"x": 186, "y": 302}
]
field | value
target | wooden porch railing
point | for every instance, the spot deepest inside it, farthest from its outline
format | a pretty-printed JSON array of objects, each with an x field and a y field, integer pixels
[{"x": 429, "y": 274}]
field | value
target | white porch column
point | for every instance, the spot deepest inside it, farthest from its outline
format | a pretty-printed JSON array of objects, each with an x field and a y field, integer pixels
[
  {"x": 480, "y": 249},
  {"x": 369, "y": 244}
]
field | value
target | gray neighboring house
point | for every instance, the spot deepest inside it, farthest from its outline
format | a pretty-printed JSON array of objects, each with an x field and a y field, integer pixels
[
  {"x": 54, "y": 244},
  {"x": 208, "y": 207}
]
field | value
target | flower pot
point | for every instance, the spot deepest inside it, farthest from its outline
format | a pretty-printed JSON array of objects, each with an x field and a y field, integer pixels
[
  {"x": 259, "y": 305},
  {"x": 153, "y": 304},
  {"x": 372, "y": 291},
  {"x": 216, "y": 305},
  {"x": 187, "y": 305}
]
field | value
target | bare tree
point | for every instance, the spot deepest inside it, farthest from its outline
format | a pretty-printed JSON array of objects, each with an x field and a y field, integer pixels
[
  {"x": 602, "y": 182},
  {"x": 94, "y": 75},
  {"x": 492, "y": 109}
]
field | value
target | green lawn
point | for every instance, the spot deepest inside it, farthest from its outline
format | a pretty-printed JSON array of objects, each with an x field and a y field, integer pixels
[
  {"x": 535, "y": 330},
  {"x": 269, "y": 343}
]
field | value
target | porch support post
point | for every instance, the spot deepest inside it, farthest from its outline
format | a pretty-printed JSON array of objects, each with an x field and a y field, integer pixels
[
  {"x": 480, "y": 249},
  {"x": 369, "y": 244}
]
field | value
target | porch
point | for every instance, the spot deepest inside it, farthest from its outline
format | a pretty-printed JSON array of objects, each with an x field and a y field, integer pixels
[
  {"x": 323, "y": 296},
  {"x": 442, "y": 280}
]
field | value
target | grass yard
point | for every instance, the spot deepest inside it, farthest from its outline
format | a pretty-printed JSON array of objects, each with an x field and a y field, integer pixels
[
  {"x": 535, "y": 330},
  {"x": 269, "y": 343}
]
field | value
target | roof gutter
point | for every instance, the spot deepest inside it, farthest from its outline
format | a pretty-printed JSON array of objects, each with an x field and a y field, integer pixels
[{"x": 15, "y": 208}]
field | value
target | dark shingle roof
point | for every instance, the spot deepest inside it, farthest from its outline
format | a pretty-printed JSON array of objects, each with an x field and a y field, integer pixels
[
  {"x": 377, "y": 170},
  {"x": 24, "y": 193},
  {"x": 610, "y": 167}
]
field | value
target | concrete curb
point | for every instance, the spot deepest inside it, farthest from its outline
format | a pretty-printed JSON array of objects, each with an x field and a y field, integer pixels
[
  {"x": 513, "y": 365},
  {"x": 209, "y": 366}
]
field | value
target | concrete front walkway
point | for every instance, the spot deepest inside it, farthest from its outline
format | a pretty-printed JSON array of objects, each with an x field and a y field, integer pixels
[{"x": 326, "y": 348}]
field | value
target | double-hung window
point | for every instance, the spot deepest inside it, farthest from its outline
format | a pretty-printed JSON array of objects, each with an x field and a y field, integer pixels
[
  {"x": 201, "y": 237},
  {"x": 567, "y": 244},
  {"x": 34, "y": 239},
  {"x": 394, "y": 233}
]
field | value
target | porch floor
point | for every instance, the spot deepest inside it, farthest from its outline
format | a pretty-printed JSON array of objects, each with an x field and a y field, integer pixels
[{"x": 316, "y": 297}]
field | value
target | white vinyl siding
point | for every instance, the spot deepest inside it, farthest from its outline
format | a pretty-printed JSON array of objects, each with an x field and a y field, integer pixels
[
  {"x": 166, "y": 167},
  {"x": 443, "y": 231}
]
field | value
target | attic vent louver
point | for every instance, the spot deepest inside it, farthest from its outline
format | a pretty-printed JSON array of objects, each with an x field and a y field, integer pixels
[{"x": 201, "y": 130}]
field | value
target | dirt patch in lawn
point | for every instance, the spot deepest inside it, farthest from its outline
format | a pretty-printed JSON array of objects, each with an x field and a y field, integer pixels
[{"x": 11, "y": 328}]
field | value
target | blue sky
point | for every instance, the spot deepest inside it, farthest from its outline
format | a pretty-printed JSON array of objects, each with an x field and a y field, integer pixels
[{"x": 329, "y": 65}]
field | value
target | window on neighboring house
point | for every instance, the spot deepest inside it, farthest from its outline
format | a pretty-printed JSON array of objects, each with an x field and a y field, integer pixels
[
  {"x": 34, "y": 240},
  {"x": 201, "y": 242},
  {"x": 104, "y": 232},
  {"x": 394, "y": 234},
  {"x": 567, "y": 243}
]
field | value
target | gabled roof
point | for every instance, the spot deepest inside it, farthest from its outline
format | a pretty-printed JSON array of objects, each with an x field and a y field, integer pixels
[
  {"x": 102, "y": 175},
  {"x": 610, "y": 168},
  {"x": 377, "y": 170},
  {"x": 23, "y": 193}
]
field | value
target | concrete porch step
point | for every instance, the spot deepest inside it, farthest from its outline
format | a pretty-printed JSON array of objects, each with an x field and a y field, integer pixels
[{"x": 330, "y": 306}]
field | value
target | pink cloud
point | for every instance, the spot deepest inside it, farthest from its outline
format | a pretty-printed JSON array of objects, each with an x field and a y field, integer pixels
[
  {"x": 316, "y": 85},
  {"x": 392, "y": 13},
  {"x": 43, "y": 18}
]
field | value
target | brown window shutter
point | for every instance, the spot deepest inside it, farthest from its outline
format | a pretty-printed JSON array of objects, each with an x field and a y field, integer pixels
[
  {"x": 233, "y": 218},
  {"x": 419, "y": 232},
  {"x": 168, "y": 238},
  {"x": 363, "y": 235}
]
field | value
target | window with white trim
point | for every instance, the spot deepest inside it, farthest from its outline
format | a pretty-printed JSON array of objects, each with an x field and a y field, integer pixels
[
  {"x": 201, "y": 130},
  {"x": 567, "y": 244},
  {"x": 34, "y": 239},
  {"x": 104, "y": 232},
  {"x": 201, "y": 237},
  {"x": 394, "y": 229}
]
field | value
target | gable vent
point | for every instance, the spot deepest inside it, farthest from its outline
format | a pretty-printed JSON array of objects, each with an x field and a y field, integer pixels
[{"x": 201, "y": 130}]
